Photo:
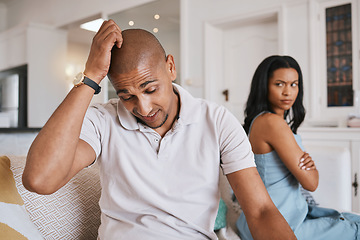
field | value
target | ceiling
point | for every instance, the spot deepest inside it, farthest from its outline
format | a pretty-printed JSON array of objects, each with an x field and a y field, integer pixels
[
  {"x": 142, "y": 16},
  {"x": 6, "y": 1}
]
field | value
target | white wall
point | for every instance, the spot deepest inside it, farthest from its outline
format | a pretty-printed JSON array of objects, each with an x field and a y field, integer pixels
[
  {"x": 171, "y": 43},
  {"x": 31, "y": 32},
  {"x": 296, "y": 20},
  {"x": 298, "y": 38},
  {"x": 12, "y": 48},
  {"x": 46, "y": 56},
  {"x": 3, "y": 17},
  {"x": 77, "y": 54},
  {"x": 294, "y": 27}
]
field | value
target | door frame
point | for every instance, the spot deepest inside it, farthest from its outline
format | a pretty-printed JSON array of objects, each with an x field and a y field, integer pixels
[{"x": 213, "y": 43}]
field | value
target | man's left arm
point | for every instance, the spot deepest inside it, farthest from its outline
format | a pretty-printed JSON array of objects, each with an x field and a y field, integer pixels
[{"x": 263, "y": 218}]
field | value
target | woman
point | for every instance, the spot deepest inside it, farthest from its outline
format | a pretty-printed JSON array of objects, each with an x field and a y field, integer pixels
[{"x": 273, "y": 113}]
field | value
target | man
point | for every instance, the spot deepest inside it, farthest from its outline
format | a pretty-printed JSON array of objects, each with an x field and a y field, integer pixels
[{"x": 159, "y": 149}]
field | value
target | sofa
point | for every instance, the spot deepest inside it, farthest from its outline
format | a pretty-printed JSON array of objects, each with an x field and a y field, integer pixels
[
  {"x": 70, "y": 213},
  {"x": 73, "y": 211}
]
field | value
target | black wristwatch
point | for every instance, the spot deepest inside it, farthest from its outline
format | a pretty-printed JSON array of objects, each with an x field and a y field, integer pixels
[{"x": 81, "y": 79}]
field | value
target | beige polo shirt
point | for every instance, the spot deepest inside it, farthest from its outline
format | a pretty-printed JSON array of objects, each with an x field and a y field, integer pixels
[{"x": 164, "y": 188}]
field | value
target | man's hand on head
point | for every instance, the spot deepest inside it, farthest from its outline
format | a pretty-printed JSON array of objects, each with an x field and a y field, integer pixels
[{"x": 98, "y": 62}]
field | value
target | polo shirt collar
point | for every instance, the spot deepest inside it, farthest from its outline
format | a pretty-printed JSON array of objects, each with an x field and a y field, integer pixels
[
  {"x": 189, "y": 110},
  {"x": 126, "y": 119},
  {"x": 190, "y": 107}
]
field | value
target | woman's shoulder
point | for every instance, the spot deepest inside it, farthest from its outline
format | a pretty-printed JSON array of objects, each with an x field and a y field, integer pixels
[
  {"x": 269, "y": 130},
  {"x": 270, "y": 120},
  {"x": 264, "y": 130},
  {"x": 268, "y": 126}
]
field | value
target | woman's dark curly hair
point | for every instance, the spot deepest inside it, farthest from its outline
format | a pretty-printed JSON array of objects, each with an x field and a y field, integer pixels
[{"x": 258, "y": 98}]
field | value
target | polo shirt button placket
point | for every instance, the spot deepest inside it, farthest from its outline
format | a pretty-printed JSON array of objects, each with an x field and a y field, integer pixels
[
  {"x": 156, "y": 144},
  {"x": 163, "y": 156}
]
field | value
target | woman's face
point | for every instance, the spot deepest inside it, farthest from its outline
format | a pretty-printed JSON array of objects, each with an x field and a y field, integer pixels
[{"x": 283, "y": 88}]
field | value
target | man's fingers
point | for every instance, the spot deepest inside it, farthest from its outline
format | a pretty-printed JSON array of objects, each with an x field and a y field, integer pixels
[
  {"x": 117, "y": 26},
  {"x": 106, "y": 28},
  {"x": 98, "y": 61},
  {"x": 102, "y": 28},
  {"x": 109, "y": 33},
  {"x": 113, "y": 37}
]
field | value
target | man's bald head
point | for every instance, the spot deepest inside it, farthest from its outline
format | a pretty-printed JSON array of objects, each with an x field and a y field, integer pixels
[{"x": 138, "y": 47}]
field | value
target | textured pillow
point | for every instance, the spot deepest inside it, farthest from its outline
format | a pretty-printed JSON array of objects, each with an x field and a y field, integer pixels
[
  {"x": 220, "y": 221},
  {"x": 15, "y": 223},
  {"x": 71, "y": 213}
]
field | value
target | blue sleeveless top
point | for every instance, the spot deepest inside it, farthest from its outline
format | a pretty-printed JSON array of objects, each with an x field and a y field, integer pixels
[
  {"x": 282, "y": 187},
  {"x": 307, "y": 222}
]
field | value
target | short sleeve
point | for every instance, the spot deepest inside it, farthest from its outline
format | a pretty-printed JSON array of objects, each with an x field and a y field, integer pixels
[
  {"x": 235, "y": 149},
  {"x": 92, "y": 128}
]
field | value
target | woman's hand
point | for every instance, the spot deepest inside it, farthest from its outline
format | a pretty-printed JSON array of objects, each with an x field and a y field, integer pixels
[{"x": 306, "y": 162}]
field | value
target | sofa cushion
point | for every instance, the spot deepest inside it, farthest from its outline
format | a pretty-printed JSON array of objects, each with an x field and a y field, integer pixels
[
  {"x": 220, "y": 221},
  {"x": 9, "y": 193},
  {"x": 15, "y": 223},
  {"x": 70, "y": 213}
]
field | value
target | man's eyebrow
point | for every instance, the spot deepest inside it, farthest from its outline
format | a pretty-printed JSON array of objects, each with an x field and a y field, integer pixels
[
  {"x": 143, "y": 85},
  {"x": 122, "y": 91}
]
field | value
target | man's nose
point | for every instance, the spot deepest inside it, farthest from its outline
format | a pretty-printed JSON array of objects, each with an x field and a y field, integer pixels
[{"x": 143, "y": 107}]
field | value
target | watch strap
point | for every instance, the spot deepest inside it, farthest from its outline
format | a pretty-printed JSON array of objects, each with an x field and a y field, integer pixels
[{"x": 92, "y": 84}]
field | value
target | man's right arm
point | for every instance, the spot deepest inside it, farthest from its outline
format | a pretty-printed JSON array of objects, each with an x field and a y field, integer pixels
[
  {"x": 264, "y": 219},
  {"x": 57, "y": 153}
]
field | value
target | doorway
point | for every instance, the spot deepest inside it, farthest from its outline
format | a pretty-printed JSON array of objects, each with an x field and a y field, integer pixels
[{"x": 233, "y": 50}]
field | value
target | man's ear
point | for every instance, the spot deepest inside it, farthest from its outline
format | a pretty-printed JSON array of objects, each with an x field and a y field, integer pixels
[{"x": 170, "y": 67}]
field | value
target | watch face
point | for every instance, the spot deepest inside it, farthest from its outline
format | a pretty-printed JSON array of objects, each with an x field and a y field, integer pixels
[{"x": 78, "y": 78}]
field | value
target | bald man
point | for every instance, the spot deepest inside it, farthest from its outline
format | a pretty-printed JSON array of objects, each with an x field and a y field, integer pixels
[{"x": 159, "y": 149}]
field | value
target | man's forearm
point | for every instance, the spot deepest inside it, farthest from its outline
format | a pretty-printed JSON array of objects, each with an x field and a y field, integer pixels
[
  {"x": 51, "y": 155},
  {"x": 270, "y": 225},
  {"x": 263, "y": 218}
]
